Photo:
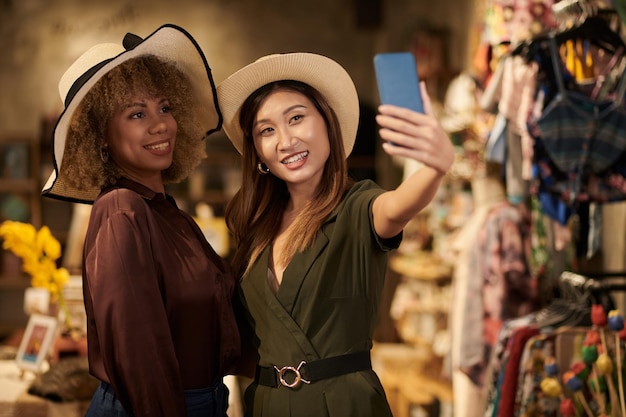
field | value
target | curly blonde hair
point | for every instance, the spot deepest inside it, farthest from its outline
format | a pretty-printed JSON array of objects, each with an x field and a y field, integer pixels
[{"x": 83, "y": 165}]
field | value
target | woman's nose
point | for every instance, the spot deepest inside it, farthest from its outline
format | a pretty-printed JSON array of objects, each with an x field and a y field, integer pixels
[
  {"x": 158, "y": 125},
  {"x": 286, "y": 139}
]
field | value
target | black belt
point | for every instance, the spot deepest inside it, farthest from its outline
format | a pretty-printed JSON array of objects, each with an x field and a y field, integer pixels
[{"x": 307, "y": 372}]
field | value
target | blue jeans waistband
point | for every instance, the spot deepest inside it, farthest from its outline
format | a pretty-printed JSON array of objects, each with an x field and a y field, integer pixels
[{"x": 199, "y": 402}]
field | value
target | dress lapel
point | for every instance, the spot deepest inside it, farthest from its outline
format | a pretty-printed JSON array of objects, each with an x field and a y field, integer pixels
[
  {"x": 297, "y": 270},
  {"x": 257, "y": 281}
]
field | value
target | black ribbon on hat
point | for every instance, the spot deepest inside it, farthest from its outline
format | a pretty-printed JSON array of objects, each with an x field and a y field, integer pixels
[{"x": 130, "y": 42}]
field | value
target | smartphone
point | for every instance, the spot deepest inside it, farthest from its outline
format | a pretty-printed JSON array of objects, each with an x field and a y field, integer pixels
[{"x": 398, "y": 80}]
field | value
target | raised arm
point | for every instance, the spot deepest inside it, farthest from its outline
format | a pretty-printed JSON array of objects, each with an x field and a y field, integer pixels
[{"x": 416, "y": 136}]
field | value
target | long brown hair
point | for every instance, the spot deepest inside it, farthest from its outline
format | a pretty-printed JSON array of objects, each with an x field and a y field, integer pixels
[
  {"x": 255, "y": 213},
  {"x": 88, "y": 128}
]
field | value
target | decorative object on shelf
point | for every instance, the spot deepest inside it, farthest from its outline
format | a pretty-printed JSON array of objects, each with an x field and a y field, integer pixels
[
  {"x": 39, "y": 251},
  {"x": 66, "y": 380},
  {"x": 36, "y": 342},
  {"x": 36, "y": 301}
]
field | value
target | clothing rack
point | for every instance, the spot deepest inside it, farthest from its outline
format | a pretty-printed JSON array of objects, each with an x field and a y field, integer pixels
[
  {"x": 549, "y": 336},
  {"x": 605, "y": 274},
  {"x": 596, "y": 29},
  {"x": 566, "y": 11},
  {"x": 599, "y": 280},
  {"x": 595, "y": 287},
  {"x": 594, "y": 284}
]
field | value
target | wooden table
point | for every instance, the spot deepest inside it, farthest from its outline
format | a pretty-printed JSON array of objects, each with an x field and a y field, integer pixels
[{"x": 410, "y": 376}]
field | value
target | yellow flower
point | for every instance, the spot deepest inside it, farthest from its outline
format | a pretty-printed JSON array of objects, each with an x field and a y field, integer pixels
[{"x": 39, "y": 251}]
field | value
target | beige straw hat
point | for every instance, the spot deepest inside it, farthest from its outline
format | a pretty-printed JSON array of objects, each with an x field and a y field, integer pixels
[
  {"x": 320, "y": 72},
  {"x": 170, "y": 43}
]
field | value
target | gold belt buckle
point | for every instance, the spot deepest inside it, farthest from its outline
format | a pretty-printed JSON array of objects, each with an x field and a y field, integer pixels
[{"x": 297, "y": 379}]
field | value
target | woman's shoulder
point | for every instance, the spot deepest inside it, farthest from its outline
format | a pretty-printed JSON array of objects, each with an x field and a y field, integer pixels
[
  {"x": 364, "y": 188},
  {"x": 359, "y": 197},
  {"x": 364, "y": 185},
  {"x": 120, "y": 199}
]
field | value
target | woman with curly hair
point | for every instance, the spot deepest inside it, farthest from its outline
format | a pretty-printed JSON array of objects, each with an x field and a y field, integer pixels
[{"x": 161, "y": 329}]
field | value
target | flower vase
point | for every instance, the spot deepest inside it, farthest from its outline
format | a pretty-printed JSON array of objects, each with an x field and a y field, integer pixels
[{"x": 37, "y": 301}]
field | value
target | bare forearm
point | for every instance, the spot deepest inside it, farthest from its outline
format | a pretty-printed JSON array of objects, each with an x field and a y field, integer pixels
[
  {"x": 412, "y": 135},
  {"x": 394, "y": 209}
]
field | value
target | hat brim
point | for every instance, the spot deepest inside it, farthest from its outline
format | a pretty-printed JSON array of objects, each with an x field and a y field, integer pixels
[
  {"x": 170, "y": 43},
  {"x": 318, "y": 71}
]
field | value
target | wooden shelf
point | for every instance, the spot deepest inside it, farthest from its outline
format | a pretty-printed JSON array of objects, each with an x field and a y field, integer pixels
[
  {"x": 420, "y": 266},
  {"x": 19, "y": 185},
  {"x": 20, "y": 179},
  {"x": 14, "y": 283},
  {"x": 410, "y": 376},
  {"x": 20, "y": 163}
]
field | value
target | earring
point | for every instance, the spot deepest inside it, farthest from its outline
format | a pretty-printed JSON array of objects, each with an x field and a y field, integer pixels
[
  {"x": 104, "y": 154},
  {"x": 262, "y": 168}
]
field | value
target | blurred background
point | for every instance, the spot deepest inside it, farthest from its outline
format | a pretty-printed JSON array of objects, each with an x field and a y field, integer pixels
[{"x": 41, "y": 38}]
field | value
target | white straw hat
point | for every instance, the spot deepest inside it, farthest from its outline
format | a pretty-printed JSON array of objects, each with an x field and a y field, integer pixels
[
  {"x": 318, "y": 71},
  {"x": 169, "y": 43}
]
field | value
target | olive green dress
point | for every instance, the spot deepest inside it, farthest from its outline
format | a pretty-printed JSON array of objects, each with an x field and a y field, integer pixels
[{"x": 325, "y": 306}]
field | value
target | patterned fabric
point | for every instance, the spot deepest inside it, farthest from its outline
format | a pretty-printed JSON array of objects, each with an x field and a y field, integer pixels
[
  {"x": 498, "y": 360},
  {"x": 530, "y": 399},
  {"x": 579, "y": 133},
  {"x": 574, "y": 162},
  {"x": 507, "y": 290},
  {"x": 515, "y": 20},
  {"x": 509, "y": 386}
]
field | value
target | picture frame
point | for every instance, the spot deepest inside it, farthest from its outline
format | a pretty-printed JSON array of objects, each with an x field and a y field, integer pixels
[{"x": 36, "y": 343}]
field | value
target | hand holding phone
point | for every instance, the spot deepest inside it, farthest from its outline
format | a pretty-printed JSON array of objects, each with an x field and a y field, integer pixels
[{"x": 398, "y": 80}]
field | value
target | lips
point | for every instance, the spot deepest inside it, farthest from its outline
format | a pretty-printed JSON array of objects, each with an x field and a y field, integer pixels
[
  {"x": 158, "y": 147},
  {"x": 295, "y": 158}
]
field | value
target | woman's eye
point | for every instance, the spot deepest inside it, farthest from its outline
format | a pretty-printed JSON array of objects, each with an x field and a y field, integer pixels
[
  {"x": 166, "y": 108},
  {"x": 296, "y": 117},
  {"x": 266, "y": 131},
  {"x": 136, "y": 115}
]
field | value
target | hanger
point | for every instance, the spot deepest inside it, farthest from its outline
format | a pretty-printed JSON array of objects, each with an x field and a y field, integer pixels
[
  {"x": 605, "y": 274},
  {"x": 571, "y": 306},
  {"x": 591, "y": 23},
  {"x": 596, "y": 30},
  {"x": 566, "y": 11}
]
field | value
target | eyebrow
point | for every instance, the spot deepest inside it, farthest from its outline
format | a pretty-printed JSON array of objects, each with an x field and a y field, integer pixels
[
  {"x": 142, "y": 104},
  {"x": 287, "y": 110}
]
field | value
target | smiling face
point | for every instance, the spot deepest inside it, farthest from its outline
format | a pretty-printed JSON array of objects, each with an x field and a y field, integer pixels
[
  {"x": 291, "y": 138},
  {"x": 141, "y": 138}
]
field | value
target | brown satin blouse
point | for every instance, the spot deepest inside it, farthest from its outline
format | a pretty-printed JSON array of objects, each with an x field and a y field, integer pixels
[{"x": 158, "y": 300}]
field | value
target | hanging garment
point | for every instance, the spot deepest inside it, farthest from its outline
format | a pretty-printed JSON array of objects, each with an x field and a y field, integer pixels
[
  {"x": 580, "y": 143},
  {"x": 579, "y": 133},
  {"x": 497, "y": 287},
  {"x": 498, "y": 361}
]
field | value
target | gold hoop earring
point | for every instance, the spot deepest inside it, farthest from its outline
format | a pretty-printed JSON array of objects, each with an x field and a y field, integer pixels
[
  {"x": 104, "y": 154},
  {"x": 262, "y": 168}
]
